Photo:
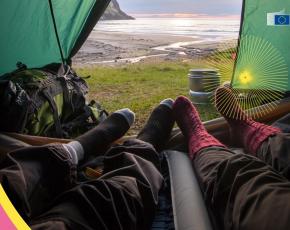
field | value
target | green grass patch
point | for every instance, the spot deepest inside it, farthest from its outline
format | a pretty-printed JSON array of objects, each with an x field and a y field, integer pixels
[{"x": 140, "y": 87}]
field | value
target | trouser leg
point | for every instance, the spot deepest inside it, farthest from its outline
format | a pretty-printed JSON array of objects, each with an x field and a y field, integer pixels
[
  {"x": 242, "y": 191},
  {"x": 275, "y": 151},
  {"x": 33, "y": 176},
  {"x": 123, "y": 198}
]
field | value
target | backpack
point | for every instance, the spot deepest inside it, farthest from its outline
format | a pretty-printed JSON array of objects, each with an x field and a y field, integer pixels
[{"x": 47, "y": 102}]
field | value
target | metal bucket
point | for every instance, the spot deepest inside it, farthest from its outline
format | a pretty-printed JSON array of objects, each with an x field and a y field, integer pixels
[
  {"x": 202, "y": 84},
  {"x": 200, "y": 97}
]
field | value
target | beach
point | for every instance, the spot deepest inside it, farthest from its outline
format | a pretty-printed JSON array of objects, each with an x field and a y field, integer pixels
[
  {"x": 118, "y": 43},
  {"x": 162, "y": 52},
  {"x": 111, "y": 49}
]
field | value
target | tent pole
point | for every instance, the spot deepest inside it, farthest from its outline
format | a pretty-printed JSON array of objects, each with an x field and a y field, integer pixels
[
  {"x": 56, "y": 32},
  {"x": 239, "y": 41}
]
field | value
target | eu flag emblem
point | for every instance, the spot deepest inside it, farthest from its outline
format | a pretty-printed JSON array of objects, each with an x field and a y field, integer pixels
[{"x": 282, "y": 20}]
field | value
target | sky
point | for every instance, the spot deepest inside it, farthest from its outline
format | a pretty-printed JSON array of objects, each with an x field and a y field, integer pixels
[{"x": 195, "y": 7}]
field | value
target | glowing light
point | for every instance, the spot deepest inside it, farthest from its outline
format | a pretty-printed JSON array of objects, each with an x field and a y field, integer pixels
[
  {"x": 245, "y": 77},
  {"x": 261, "y": 74}
]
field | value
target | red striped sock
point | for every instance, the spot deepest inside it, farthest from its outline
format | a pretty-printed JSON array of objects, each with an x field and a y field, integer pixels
[
  {"x": 244, "y": 131},
  {"x": 191, "y": 126}
]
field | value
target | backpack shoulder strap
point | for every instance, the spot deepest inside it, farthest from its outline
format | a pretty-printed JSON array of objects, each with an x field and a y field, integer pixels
[{"x": 54, "y": 110}]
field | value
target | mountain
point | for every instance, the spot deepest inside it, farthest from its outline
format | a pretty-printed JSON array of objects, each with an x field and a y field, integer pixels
[{"x": 114, "y": 12}]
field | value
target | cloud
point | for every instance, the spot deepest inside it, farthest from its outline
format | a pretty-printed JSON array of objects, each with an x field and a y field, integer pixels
[{"x": 211, "y": 7}]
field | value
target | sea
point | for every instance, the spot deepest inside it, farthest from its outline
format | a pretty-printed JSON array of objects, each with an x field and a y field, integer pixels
[
  {"x": 201, "y": 30},
  {"x": 197, "y": 28}
]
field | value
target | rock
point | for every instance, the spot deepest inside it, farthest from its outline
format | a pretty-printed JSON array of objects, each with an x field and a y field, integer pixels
[{"x": 114, "y": 12}]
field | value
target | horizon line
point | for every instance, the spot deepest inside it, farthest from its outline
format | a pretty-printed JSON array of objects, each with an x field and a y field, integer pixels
[{"x": 184, "y": 15}]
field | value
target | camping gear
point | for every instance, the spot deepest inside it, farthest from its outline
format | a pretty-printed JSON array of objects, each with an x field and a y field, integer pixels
[
  {"x": 263, "y": 60},
  {"x": 37, "y": 33},
  {"x": 189, "y": 209},
  {"x": 44, "y": 102},
  {"x": 202, "y": 83}
]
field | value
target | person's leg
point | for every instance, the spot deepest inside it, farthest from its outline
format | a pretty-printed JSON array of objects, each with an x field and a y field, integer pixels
[
  {"x": 126, "y": 195},
  {"x": 99, "y": 139},
  {"x": 263, "y": 141},
  {"x": 275, "y": 151},
  {"x": 159, "y": 125},
  {"x": 32, "y": 177},
  {"x": 242, "y": 191},
  {"x": 191, "y": 126}
]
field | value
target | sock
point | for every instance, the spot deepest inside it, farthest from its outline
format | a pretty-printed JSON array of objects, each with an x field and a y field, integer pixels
[
  {"x": 158, "y": 128},
  {"x": 102, "y": 136},
  {"x": 168, "y": 102},
  {"x": 76, "y": 151},
  {"x": 127, "y": 114},
  {"x": 192, "y": 128},
  {"x": 247, "y": 132}
]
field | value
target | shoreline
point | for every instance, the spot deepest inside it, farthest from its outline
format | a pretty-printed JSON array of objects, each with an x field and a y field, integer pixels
[{"x": 116, "y": 48}]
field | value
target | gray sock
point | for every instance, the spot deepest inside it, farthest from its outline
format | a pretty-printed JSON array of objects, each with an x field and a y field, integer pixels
[
  {"x": 128, "y": 114},
  {"x": 76, "y": 151},
  {"x": 168, "y": 102}
]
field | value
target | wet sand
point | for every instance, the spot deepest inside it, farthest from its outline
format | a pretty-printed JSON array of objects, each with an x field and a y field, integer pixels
[{"x": 112, "y": 48}]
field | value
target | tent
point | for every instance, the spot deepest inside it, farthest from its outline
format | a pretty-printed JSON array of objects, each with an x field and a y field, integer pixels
[
  {"x": 37, "y": 33},
  {"x": 263, "y": 60}
]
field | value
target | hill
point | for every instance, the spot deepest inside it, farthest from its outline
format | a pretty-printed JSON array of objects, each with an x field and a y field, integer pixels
[{"x": 114, "y": 12}]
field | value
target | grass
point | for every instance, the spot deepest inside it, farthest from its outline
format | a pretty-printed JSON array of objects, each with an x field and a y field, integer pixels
[{"x": 140, "y": 87}]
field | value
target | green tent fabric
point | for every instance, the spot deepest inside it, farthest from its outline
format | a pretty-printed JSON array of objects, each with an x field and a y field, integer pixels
[
  {"x": 263, "y": 60},
  {"x": 37, "y": 33}
]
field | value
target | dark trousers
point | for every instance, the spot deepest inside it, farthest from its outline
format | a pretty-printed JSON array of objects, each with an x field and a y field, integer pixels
[
  {"x": 41, "y": 183},
  {"x": 245, "y": 192}
]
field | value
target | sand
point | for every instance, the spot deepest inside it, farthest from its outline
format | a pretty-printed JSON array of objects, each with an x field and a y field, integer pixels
[{"x": 104, "y": 48}]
